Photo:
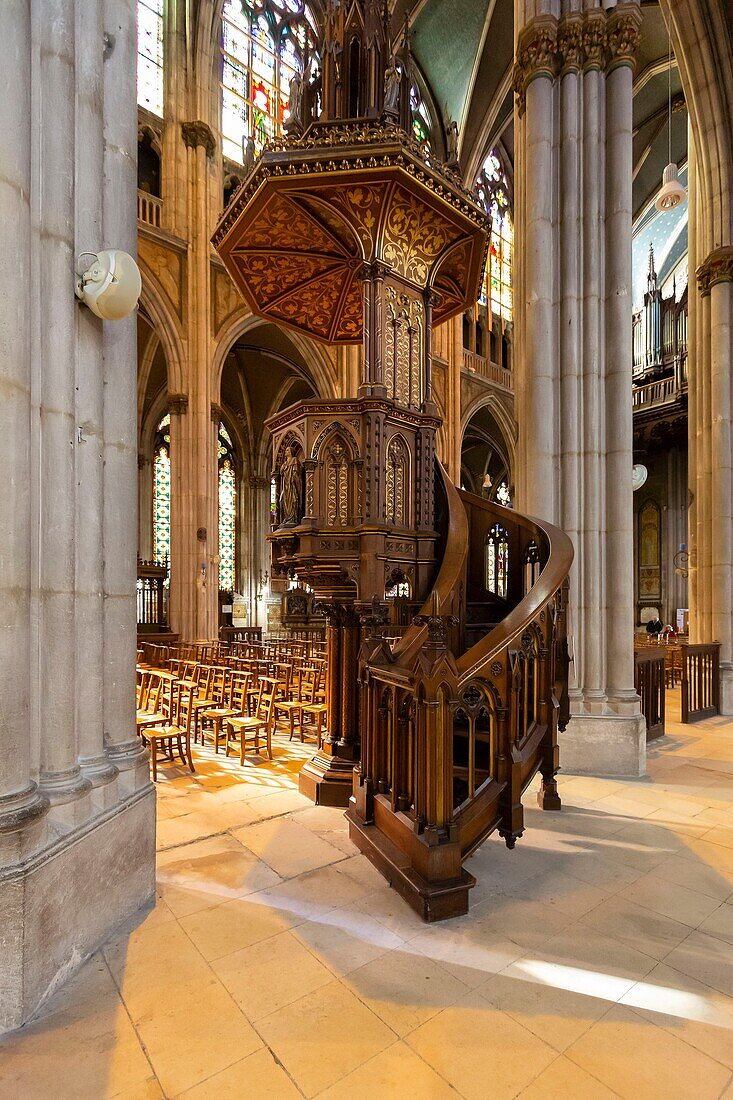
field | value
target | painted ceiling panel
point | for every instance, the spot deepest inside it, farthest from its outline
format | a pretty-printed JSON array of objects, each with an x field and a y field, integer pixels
[{"x": 448, "y": 58}]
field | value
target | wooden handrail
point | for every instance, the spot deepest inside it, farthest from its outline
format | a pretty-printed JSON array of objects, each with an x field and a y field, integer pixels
[{"x": 450, "y": 739}]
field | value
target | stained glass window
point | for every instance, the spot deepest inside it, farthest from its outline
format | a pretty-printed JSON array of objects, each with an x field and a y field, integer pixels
[
  {"x": 503, "y": 496},
  {"x": 264, "y": 42},
  {"x": 420, "y": 117},
  {"x": 497, "y": 561},
  {"x": 492, "y": 191},
  {"x": 150, "y": 55},
  {"x": 227, "y": 512},
  {"x": 162, "y": 491}
]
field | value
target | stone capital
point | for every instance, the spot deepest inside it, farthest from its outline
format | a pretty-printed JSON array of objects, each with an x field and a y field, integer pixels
[
  {"x": 595, "y": 40},
  {"x": 178, "y": 403},
  {"x": 198, "y": 133},
  {"x": 623, "y": 35},
  {"x": 570, "y": 43},
  {"x": 259, "y": 483},
  {"x": 217, "y": 413},
  {"x": 536, "y": 54},
  {"x": 717, "y": 268}
]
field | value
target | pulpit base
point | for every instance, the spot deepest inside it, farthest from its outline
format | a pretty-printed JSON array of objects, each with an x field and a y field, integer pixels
[
  {"x": 432, "y": 901},
  {"x": 327, "y": 780}
]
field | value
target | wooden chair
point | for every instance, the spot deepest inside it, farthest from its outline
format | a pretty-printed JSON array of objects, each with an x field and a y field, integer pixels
[
  {"x": 234, "y": 705},
  {"x": 176, "y": 733},
  {"x": 292, "y": 709},
  {"x": 151, "y": 711},
  {"x": 251, "y": 726}
]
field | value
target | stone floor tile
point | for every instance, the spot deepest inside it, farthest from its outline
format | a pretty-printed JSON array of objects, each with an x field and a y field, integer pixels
[
  {"x": 289, "y": 848},
  {"x": 404, "y": 988},
  {"x": 81, "y": 1052},
  {"x": 396, "y": 1072},
  {"x": 324, "y": 1036},
  {"x": 641, "y": 928},
  {"x": 673, "y": 900},
  {"x": 557, "y": 1016},
  {"x": 193, "y": 1030},
  {"x": 258, "y": 1075},
  {"x": 346, "y": 939},
  {"x": 688, "y": 1009},
  {"x": 563, "y": 1080},
  {"x": 706, "y": 958},
  {"x": 637, "y": 1059},
  {"x": 271, "y": 974},
  {"x": 200, "y": 876},
  {"x": 720, "y": 923},
  {"x": 480, "y": 1050},
  {"x": 235, "y": 924}
]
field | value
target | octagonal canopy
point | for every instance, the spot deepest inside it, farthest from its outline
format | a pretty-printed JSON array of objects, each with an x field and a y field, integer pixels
[{"x": 297, "y": 234}]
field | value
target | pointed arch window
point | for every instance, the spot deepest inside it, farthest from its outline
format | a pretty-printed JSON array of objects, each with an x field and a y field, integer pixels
[
  {"x": 497, "y": 561},
  {"x": 150, "y": 55},
  {"x": 162, "y": 491},
  {"x": 227, "y": 512},
  {"x": 421, "y": 125},
  {"x": 264, "y": 42},
  {"x": 493, "y": 193}
]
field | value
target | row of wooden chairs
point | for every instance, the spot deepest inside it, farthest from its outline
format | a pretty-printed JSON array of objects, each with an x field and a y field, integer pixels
[{"x": 237, "y": 702}]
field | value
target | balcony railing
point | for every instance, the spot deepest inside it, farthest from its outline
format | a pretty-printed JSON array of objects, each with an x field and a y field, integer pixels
[
  {"x": 664, "y": 390},
  {"x": 479, "y": 364},
  {"x": 149, "y": 209}
]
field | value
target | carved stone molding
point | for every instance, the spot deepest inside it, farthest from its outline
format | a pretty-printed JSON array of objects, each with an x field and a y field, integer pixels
[
  {"x": 178, "y": 403},
  {"x": 594, "y": 40},
  {"x": 198, "y": 133},
  {"x": 217, "y": 413},
  {"x": 537, "y": 54},
  {"x": 624, "y": 35},
  {"x": 717, "y": 268},
  {"x": 580, "y": 41},
  {"x": 260, "y": 483},
  {"x": 570, "y": 43}
]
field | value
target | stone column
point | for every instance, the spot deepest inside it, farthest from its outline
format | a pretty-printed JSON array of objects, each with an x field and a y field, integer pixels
[
  {"x": 119, "y": 230},
  {"x": 89, "y": 450},
  {"x": 21, "y": 804},
  {"x": 715, "y": 617},
  {"x": 573, "y": 79},
  {"x": 60, "y": 775}
]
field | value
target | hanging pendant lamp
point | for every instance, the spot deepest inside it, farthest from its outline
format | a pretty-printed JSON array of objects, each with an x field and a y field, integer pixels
[{"x": 672, "y": 192}]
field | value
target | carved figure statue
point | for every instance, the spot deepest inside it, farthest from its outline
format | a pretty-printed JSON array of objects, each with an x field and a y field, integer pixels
[
  {"x": 248, "y": 153},
  {"x": 295, "y": 103},
  {"x": 392, "y": 80},
  {"x": 290, "y": 489},
  {"x": 452, "y": 144}
]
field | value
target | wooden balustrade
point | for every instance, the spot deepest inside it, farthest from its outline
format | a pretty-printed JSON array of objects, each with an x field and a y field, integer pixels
[
  {"x": 700, "y": 681},
  {"x": 451, "y": 736},
  {"x": 479, "y": 364},
  {"x": 650, "y": 677},
  {"x": 151, "y": 616},
  {"x": 149, "y": 209}
]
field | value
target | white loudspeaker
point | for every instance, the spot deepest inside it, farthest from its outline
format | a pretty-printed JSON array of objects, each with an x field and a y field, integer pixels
[
  {"x": 111, "y": 286},
  {"x": 639, "y": 475}
]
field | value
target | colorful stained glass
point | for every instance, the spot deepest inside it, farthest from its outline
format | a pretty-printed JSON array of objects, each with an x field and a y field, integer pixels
[
  {"x": 227, "y": 513},
  {"x": 150, "y": 55},
  {"x": 162, "y": 491},
  {"x": 503, "y": 495},
  {"x": 492, "y": 191},
  {"x": 420, "y": 117},
  {"x": 264, "y": 42},
  {"x": 497, "y": 561}
]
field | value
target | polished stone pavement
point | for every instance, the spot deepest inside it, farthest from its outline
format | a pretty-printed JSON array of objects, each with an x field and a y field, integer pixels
[{"x": 596, "y": 960}]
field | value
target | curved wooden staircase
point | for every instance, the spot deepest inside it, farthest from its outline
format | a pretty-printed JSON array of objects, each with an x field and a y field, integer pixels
[{"x": 461, "y": 713}]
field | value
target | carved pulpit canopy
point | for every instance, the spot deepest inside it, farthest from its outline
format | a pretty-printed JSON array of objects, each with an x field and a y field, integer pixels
[{"x": 319, "y": 209}]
